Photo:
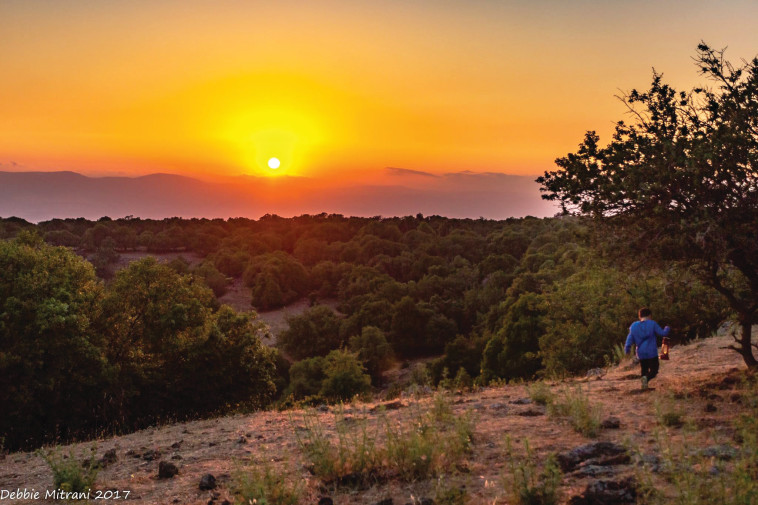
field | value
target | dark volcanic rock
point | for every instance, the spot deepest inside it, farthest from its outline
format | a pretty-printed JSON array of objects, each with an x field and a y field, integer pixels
[
  {"x": 611, "y": 423},
  {"x": 325, "y": 500},
  {"x": 607, "y": 492},
  {"x": 599, "y": 453},
  {"x": 722, "y": 452},
  {"x": 532, "y": 412},
  {"x": 109, "y": 457},
  {"x": 151, "y": 454},
  {"x": 386, "y": 501},
  {"x": 167, "y": 470},
  {"x": 521, "y": 401},
  {"x": 207, "y": 482},
  {"x": 397, "y": 404}
]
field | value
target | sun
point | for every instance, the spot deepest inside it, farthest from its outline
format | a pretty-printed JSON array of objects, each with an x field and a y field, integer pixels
[{"x": 273, "y": 163}]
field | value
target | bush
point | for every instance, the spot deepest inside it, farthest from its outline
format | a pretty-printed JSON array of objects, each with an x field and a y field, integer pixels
[
  {"x": 574, "y": 405},
  {"x": 344, "y": 376},
  {"x": 540, "y": 393},
  {"x": 265, "y": 486},
  {"x": 418, "y": 446},
  {"x": 306, "y": 377},
  {"x": 527, "y": 485},
  {"x": 69, "y": 473},
  {"x": 668, "y": 414},
  {"x": 373, "y": 351}
]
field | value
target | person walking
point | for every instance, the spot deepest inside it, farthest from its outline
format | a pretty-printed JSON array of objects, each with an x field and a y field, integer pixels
[{"x": 643, "y": 334}]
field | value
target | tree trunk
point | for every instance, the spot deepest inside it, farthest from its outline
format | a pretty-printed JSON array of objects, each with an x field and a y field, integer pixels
[{"x": 745, "y": 343}]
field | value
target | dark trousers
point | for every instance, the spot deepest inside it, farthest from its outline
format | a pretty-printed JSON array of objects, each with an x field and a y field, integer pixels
[{"x": 649, "y": 367}]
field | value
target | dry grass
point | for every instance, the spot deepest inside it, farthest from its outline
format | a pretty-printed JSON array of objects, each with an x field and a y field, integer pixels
[{"x": 706, "y": 374}]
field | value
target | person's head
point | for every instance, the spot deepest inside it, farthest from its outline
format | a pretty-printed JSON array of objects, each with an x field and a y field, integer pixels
[{"x": 645, "y": 313}]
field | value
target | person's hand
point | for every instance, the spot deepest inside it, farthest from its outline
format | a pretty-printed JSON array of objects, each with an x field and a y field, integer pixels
[{"x": 667, "y": 328}]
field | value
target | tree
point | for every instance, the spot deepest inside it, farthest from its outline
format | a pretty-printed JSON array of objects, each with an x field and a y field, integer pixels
[
  {"x": 313, "y": 333},
  {"x": 680, "y": 182},
  {"x": 373, "y": 351},
  {"x": 514, "y": 351},
  {"x": 345, "y": 377},
  {"x": 52, "y": 364}
]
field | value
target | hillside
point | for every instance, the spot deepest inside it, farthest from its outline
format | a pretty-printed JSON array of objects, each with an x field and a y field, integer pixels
[{"x": 701, "y": 382}]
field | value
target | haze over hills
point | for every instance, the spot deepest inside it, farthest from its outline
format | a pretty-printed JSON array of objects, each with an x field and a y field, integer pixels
[{"x": 39, "y": 196}]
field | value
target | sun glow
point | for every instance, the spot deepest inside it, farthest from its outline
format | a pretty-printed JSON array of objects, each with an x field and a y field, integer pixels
[{"x": 274, "y": 163}]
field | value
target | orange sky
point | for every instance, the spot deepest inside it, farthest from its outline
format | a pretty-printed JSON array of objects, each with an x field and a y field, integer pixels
[{"x": 334, "y": 89}]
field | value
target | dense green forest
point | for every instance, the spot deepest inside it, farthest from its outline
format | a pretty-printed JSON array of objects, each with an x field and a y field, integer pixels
[{"x": 86, "y": 349}]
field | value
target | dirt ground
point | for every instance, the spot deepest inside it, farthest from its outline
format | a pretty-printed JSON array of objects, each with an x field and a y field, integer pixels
[{"x": 696, "y": 379}]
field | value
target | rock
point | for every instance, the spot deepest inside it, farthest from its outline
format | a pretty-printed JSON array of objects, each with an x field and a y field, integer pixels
[
  {"x": 177, "y": 445},
  {"x": 386, "y": 501},
  {"x": 151, "y": 454},
  {"x": 167, "y": 470},
  {"x": 323, "y": 408},
  {"x": 595, "y": 372},
  {"x": 594, "y": 471},
  {"x": 259, "y": 437},
  {"x": 521, "y": 401},
  {"x": 242, "y": 440},
  {"x": 611, "y": 423},
  {"x": 709, "y": 407},
  {"x": 207, "y": 482},
  {"x": 532, "y": 412},
  {"x": 721, "y": 452},
  {"x": 176, "y": 457},
  {"x": 325, "y": 500},
  {"x": 607, "y": 492},
  {"x": 601, "y": 453},
  {"x": 653, "y": 461},
  {"x": 499, "y": 406},
  {"x": 109, "y": 457},
  {"x": 394, "y": 405}
]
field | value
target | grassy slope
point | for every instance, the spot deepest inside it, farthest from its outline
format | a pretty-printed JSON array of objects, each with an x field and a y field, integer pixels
[{"x": 693, "y": 378}]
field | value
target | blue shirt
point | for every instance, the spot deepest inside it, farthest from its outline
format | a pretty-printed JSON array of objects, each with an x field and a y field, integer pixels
[{"x": 642, "y": 334}]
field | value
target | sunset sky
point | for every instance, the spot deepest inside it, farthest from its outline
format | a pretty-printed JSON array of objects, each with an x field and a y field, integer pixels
[{"x": 336, "y": 90}]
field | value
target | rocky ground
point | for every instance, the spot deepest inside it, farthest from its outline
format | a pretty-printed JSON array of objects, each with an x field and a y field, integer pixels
[{"x": 700, "y": 382}]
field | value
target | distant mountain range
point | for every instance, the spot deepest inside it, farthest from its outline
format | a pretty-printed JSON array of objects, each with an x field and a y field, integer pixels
[{"x": 39, "y": 196}]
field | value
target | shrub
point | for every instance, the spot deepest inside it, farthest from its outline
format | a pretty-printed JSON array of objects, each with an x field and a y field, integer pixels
[
  {"x": 265, "y": 486},
  {"x": 420, "y": 445},
  {"x": 306, "y": 377},
  {"x": 540, "y": 393},
  {"x": 668, "y": 413},
  {"x": 447, "y": 494},
  {"x": 372, "y": 350},
  {"x": 462, "y": 381},
  {"x": 529, "y": 486},
  {"x": 71, "y": 474},
  {"x": 354, "y": 452},
  {"x": 574, "y": 404},
  {"x": 344, "y": 376}
]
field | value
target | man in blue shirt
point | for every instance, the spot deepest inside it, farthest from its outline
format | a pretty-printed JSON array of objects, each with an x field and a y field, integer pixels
[{"x": 643, "y": 334}]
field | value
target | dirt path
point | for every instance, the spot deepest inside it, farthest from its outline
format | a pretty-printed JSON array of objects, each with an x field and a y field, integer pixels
[{"x": 697, "y": 379}]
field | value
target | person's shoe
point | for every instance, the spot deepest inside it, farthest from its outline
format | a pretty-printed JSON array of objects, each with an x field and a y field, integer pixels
[{"x": 644, "y": 382}]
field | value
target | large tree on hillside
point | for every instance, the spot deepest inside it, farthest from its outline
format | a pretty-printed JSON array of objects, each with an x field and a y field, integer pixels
[{"x": 680, "y": 181}]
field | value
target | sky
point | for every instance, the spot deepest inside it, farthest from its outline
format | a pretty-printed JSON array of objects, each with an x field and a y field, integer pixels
[{"x": 338, "y": 91}]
